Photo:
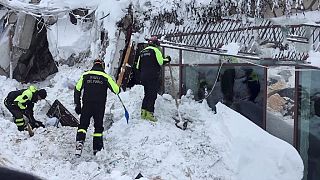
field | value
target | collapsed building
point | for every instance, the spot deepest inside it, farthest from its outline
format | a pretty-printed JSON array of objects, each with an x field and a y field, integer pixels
[
  {"x": 24, "y": 45},
  {"x": 199, "y": 38}
]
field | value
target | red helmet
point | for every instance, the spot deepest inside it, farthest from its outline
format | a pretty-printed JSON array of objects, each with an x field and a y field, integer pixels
[{"x": 154, "y": 40}]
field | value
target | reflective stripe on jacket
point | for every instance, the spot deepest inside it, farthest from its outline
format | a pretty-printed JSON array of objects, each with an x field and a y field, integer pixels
[
  {"x": 25, "y": 98},
  {"x": 150, "y": 62},
  {"x": 95, "y": 84}
]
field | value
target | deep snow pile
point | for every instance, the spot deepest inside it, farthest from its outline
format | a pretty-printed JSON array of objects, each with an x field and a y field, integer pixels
[{"x": 223, "y": 145}]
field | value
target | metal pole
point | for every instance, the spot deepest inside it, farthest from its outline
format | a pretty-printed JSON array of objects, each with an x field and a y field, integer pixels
[{"x": 180, "y": 124}]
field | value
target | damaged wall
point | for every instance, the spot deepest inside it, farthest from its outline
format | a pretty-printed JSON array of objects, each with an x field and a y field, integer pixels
[
  {"x": 36, "y": 62},
  {"x": 4, "y": 51},
  {"x": 24, "y": 45}
]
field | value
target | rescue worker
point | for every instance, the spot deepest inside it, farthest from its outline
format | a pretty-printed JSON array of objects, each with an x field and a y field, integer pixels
[
  {"x": 94, "y": 84},
  {"x": 149, "y": 64},
  {"x": 227, "y": 85},
  {"x": 227, "y": 77},
  {"x": 21, "y": 102},
  {"x": 253, "y": 84}
]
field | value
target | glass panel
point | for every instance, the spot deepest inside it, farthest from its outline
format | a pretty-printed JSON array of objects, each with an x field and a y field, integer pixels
[
  {"x": 173, "y": 53},
  {"x": 189, "y": 57},
  {"x": 233, "y": 88},
  {"x": 309, "y": 123},
  {"x": 168, "y": 88},
  {"x": 200, "y": 79},
  {"x": 280, "y": 102},
  {"x": 1, "y": 25},
  {"x": 249, "y": 87}
]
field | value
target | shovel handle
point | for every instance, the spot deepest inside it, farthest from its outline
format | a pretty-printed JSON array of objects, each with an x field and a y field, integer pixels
[{"x": 29, "y": 128}]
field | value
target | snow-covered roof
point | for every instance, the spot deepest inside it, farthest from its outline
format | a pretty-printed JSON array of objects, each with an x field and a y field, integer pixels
[{"x": 47, "y": 8}]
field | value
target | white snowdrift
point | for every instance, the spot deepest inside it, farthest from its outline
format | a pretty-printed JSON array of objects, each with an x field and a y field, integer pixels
[{"x": 223, "y": 145}]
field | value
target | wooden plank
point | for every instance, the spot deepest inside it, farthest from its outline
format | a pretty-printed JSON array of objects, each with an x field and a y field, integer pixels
[{"x": 124, "y": 64}]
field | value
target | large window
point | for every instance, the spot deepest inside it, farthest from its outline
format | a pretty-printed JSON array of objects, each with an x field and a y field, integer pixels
[
  {"x": 280, "y": 102},
  {"x": 309, "y": 122},
  {"x": 200, "y": 80},
  {"x": 239, "y": 87},
  {"x": 169, "y": 88},
  {"x": 292, "y": 96},
  {"x": 190, "y": 57}
]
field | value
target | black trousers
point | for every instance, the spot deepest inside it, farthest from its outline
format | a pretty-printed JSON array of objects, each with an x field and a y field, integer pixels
[
  {"x": 254, "y": 90},
  {"x": 95, "y": 110},
  {"x": 227, "y": 84},
  {"x": 151, "y": 88},
  {"x": 16, "y": 112}
]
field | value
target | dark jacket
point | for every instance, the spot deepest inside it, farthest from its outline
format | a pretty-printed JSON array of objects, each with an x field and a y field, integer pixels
[
  {"x": 94, "y": 84},
  {"x": 150, "y": 62},
  {"x": 24, "y": 99}
]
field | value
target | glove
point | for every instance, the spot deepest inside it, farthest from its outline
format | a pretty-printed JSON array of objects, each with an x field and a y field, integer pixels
[
  {"x": 169, "y": 58},
  {"x": 36, "y": 124},
  {"x": 29, "y": 114},
  {"x": 78, "y": 109}
]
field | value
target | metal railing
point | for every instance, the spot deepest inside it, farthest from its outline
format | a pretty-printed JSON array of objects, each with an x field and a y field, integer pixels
[{"x": 262, "y": 33}]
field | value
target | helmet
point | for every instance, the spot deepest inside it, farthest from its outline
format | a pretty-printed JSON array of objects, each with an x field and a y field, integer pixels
[
  {"x": 32, "y": 88},
  {"x": 248, "y": 71},
  {"x": 42, "y": 93},
  {"x": 154, "y": 41},
  {"x": 99, "y": 62}
]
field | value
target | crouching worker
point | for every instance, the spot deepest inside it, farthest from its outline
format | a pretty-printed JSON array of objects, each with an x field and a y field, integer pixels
[
  {"x": 94, "y": 84},
  {"x": 21, "y": 102}
]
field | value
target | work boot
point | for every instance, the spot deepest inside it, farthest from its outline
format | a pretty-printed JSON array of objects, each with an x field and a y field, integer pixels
[
  {"x": 79, "y": 147},
  {"x": 143, "y": 114},
  {"x": 97, "y": 144},
  {"x": 149, "y": 116}
]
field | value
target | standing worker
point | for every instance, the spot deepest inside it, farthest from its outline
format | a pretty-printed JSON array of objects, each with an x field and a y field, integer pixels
[
  {"x": 253, "y": 84},
  {"x": 149, "y": 64},
  {"x": 21, "y": 102},
  {"x": 94, "y": 84}
]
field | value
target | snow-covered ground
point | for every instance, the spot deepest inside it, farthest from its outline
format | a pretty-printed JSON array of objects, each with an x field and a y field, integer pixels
[{"x": 222, "y": 146}]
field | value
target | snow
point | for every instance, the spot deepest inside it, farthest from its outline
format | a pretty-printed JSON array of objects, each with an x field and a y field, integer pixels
[
  {"x": 300, "y": 18},
  {"x": 223, "y": 146},
  {"x": 314, "y": 58},
  {"x": 231, "y": 48},
  {"x": 77, "y": 41},
  {"x": 245, "y": 162}
]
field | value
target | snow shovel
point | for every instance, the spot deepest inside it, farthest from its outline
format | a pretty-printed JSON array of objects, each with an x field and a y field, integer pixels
[
  {"x": 126, "y": 114},
  {"x": 179, "y": 123}
]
